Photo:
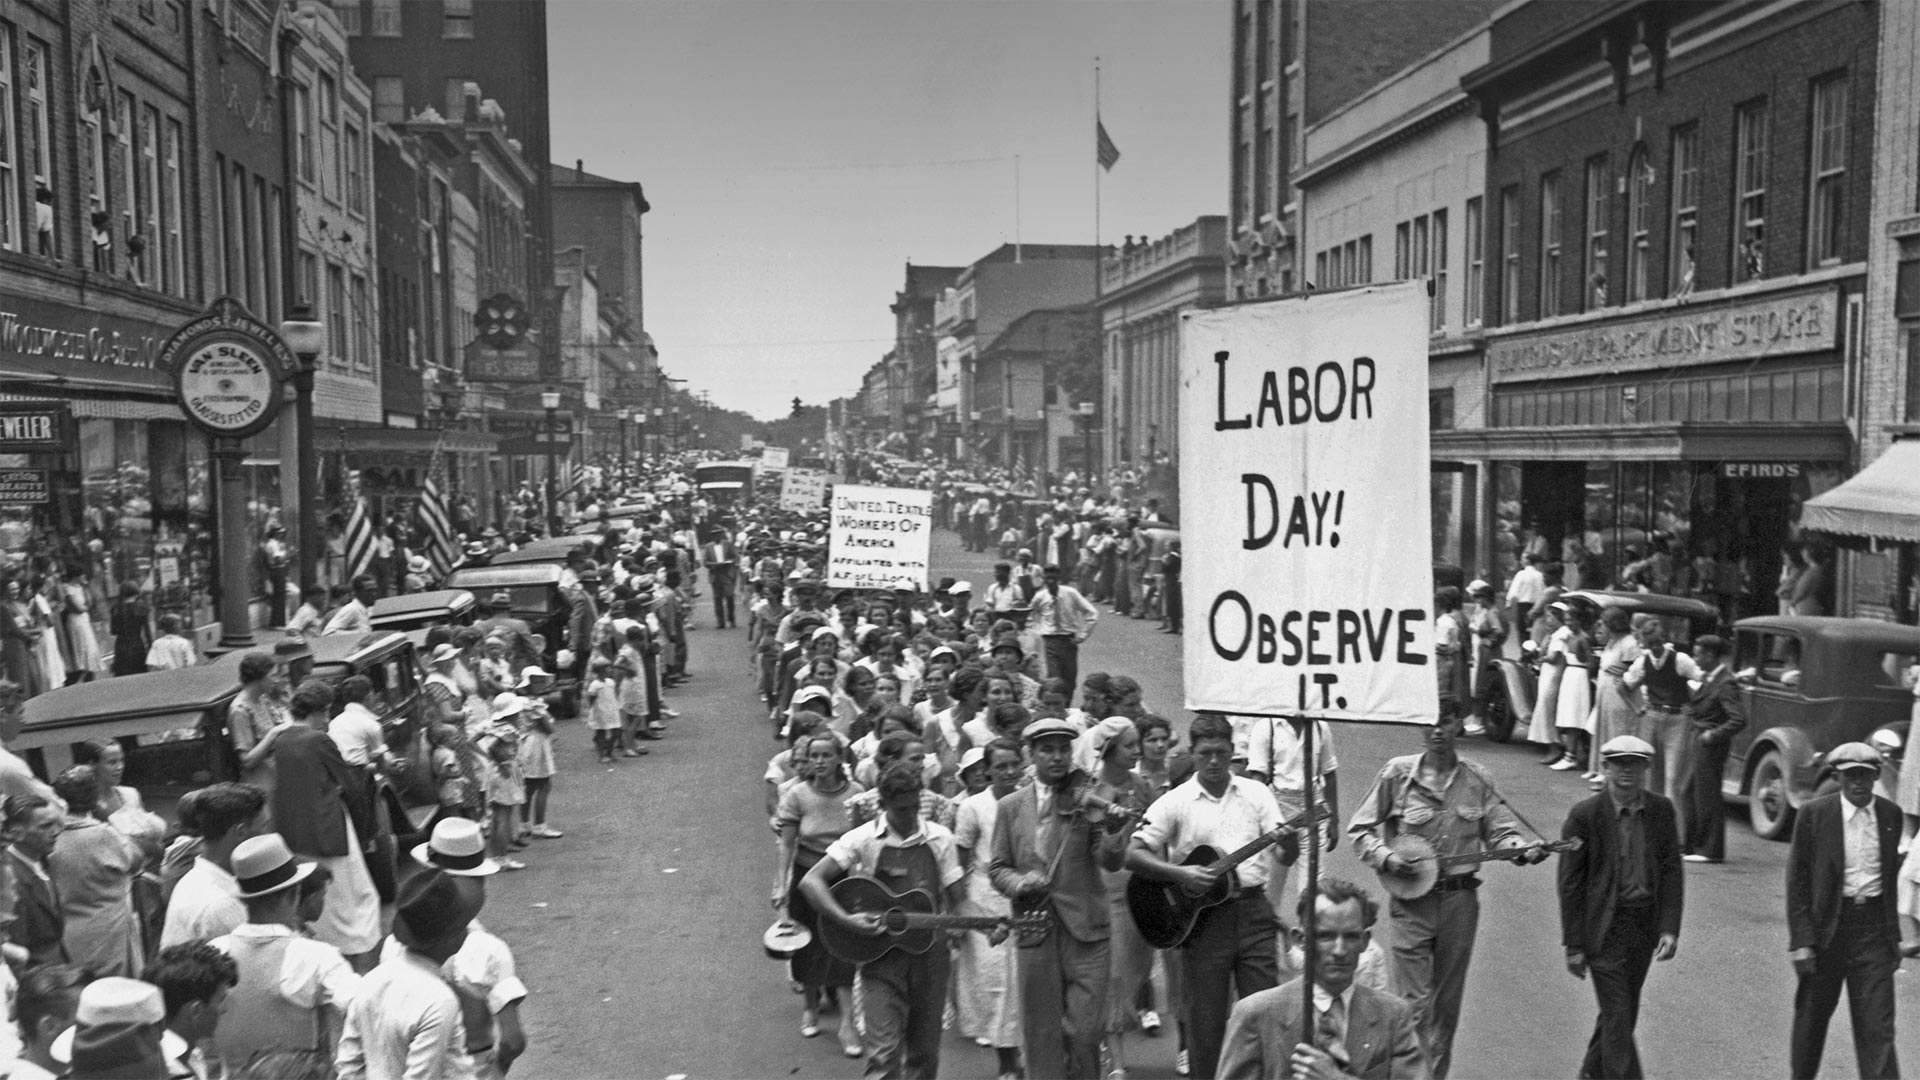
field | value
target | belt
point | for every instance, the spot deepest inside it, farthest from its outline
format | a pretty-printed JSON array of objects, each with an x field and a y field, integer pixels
[
  {"x": 1057, "y": 635},
  {"x": 1860, "y": 901},
  {"x": 1456, "y": 883},
  {"x": 1651, "y": 707}
]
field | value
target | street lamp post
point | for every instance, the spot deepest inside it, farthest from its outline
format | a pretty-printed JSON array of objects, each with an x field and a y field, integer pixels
[
  {"x": 306, "y": 338},
  {"x": 550, "y": 401},
  {"x": 1086, "y": 422}
]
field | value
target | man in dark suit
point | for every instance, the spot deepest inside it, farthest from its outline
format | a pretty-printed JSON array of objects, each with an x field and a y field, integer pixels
[
  {"x": 1841, "y": 923},
  {"x": 1716, "y": 714},
  {"x": 1048, "y": 857},
  {"x": 39, "y": 926},
  {"x": 1358, "y": 1032},
  {"x": 1620, "y": 897}
]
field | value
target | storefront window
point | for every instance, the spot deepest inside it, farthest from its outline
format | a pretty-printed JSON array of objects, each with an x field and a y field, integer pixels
[
  {"x": 182, "y": 523},
  {"x": 116, "y": 480},
  {"x": 1505, "y": 541},
  {"x": 261, "y": 469}
]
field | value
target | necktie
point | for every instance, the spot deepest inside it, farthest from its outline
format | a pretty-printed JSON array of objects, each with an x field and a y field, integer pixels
[{"x": 1333, "y": 1031}]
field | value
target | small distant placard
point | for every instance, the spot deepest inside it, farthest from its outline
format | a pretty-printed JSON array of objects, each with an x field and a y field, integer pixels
[
  {"x": 774, "y": 459},
  {"x": 25, "y": 487},
  {"x": 802, "y": 489},
  {"x": 879, "y": 537}
]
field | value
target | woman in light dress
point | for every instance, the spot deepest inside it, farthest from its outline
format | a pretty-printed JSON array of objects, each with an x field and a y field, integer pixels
[
  {"x": 1546, "y": 697},
  {"x": 1616, "y": 706},
  {"x": 122, "y": 808},
  {"x": 985, "y": 979},
  {"x": 1572, "y": 650},
  {"x": 83, "y": 645},
  {"x": 1109, "y": 752},
  {"x": 45, "y": 606}
]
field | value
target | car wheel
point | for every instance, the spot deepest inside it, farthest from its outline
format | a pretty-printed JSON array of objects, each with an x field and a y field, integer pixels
[
  {"x": 1499, "y": 716},
  {"x": 1767, "y": 805}
]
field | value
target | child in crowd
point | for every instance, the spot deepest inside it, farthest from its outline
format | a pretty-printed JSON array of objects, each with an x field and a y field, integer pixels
[
  {"x": 171, "y": 650},
  {"x": 603, "y": 709},
  {"x": 537, "y": 768},
  {"x": 449, "y": 779},
  {"x": 633, "y": 691},
  {"x": 505, "y": 792}
]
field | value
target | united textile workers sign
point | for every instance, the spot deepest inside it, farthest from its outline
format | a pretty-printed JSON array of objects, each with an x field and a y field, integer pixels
[
  {"x": 1304, "y": 495},
  {"x": 878, "y": 537}
]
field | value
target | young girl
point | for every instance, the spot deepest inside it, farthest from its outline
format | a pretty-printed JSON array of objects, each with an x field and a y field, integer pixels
[
  {"x": 603, "y": 710},
  {"x": 536, "y": 770},
  {"x": 633, "y": 692},
  {"x": 505, "y": 791},
  {"x": 449, "y": 778}
]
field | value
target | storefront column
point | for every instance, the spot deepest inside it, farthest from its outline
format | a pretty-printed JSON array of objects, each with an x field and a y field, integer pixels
[{"x": 236, "y": 618}]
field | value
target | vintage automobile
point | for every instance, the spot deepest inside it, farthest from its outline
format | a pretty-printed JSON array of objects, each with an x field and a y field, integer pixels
[
  {"x": 534, "y": 591},
  {"x": 1808, "y": 685},
  {"x": 1512, "y": 703},
  {"x": 547, "y": 549},
  {"x": 418, "y": 611}
]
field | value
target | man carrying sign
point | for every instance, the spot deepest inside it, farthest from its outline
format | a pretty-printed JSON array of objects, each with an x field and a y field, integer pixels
[{"x": 1449, "y": 803}]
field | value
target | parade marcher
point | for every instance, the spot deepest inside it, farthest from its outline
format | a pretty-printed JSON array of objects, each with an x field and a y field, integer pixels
[
  {"x": 1717, "y": 715},
  {"x": 406, "y": 1021},
  {"x": 810, "y": 814},
  {"x": 1621, "y": 894},
  {"x": 1276, "y": 752},
  {"x": 721, "y": 561},
  {"x": 905, "y": 994},
  {"x": 1451, "y": 803},
  {"x": 1359, "y": 1032},
  {"x": 1064, "y": 620},
  {"x": 1108, "y": 753},
  {"x": 986, "y": 975},
  {"x": 1048, "y": 856},
  {"x": 1664, "y": 674},
  {"x": 1841, "y": 921},
  {"x": 1233, "y": 949}
]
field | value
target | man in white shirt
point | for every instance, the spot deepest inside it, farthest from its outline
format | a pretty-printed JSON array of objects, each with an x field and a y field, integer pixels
[
  {"x": 356, "y": 730},
  {"x": 406, "y": 1024},
  {"x": 482, "y": 974},
  {"x": 293, "y": 990},
  {"x": 1526, "y": 590},
  {"x": 1063, "y": 619},
  {"x": 1003, "y": 595},
  {"x": 356, "y": 615},
  {"x": 1276, "y": 753},
  {"x": 206, "y": 903}
]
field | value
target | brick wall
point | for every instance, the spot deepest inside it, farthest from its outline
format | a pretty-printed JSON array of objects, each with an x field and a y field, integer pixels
[
  {"x": 1353, "y": 45},
  {"x": 1887, "y": 364},
  {"x": 1777, "y": 60}
]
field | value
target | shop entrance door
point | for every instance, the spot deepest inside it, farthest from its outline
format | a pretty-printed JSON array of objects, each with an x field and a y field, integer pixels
[
  {"x": 1759, "y": 518},
  {"x": 1553, "y": 501}
]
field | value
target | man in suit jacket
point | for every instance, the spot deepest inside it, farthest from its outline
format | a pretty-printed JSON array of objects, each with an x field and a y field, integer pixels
[
  {"x": 1358, "y": 1032},
  {"x": 1620, "y": 898},
  {"x": 1716, "y": 714},
  {"x": 1841, "y": 923},
  {"x": 1048, "y": 857},
  {"x": 39, "y": 926}
]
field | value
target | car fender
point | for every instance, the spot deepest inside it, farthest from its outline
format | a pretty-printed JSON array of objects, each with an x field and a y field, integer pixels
[
  {"x": 1521, "y": 684},
  {"x": 1796, "y": 753}
]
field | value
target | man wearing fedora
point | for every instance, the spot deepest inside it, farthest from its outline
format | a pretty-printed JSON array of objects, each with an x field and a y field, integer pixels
[
  {"x": 1621, "y": 893},
  {"x": 482, "y": 974},
  {"x": 1842, "y": 927},
  {"x": 293, "y": 991},
  {"x": 406, "y": 1021}
]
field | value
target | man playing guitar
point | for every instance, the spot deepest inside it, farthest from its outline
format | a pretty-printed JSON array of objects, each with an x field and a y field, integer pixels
[
  {"x": 1232, "y": 948},
  {"x": 905, "y": 993},
  {"x": 1450, "y": 804}
]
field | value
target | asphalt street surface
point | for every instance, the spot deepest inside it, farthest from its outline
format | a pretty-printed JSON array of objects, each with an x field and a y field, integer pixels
[{"x": 639, "y": 932}]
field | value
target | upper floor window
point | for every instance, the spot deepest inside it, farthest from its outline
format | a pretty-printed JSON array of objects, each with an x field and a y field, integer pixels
[
  {"x": 1683, "y": 193},
  {"x": 1599, "y": 201},
  {"x": 1750, "y": 191},
  {"x": 349, "y": 13},
  {"x": 457, "y": 20},
  {"x": 354, "y": 151},
  {"x": 1510, "y": 255},
  {"x": 1437, "y": 300},
  {"x": 386, "y": 18},
  {"x": 1550, "y": 223},
  {"x": 1826, "y": 195},
  {"x": 1476, "y": 262},
  {"x": 9, "y": 151},
  {"x": 303, "y": 130},
  {"x": 328, "y": 104},
  {"x": 1639, "y": 195},
  {"x": 389, "y": 99}
]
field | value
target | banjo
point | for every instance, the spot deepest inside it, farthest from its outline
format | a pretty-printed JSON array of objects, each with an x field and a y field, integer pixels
[{"x": 1426, "y": 865}]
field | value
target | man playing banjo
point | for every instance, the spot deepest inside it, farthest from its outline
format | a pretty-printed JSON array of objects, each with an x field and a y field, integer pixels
[{"x": 1423, "y": 809}]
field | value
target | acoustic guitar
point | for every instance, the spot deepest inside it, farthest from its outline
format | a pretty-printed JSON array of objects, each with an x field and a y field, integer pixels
[
  {"x": 1417, "y": 853},
  {"x": 1166, "y": 911},
  {"x": 907, "y": 921}
]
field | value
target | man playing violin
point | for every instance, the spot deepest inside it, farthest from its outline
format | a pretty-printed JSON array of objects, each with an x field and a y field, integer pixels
[
  {"x": 905, "y": 993},
  {"x": 1452, "y": 805},
  {"x": 1047, "y": 856},
  {"x": 1232, "y": 948}
]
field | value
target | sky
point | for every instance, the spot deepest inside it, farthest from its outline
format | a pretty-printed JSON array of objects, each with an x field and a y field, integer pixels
[{"x": 798, "y": 153}]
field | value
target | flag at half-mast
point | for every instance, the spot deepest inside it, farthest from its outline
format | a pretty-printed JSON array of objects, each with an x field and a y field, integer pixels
[
  {"x": 434, "y": 517},
  {"x": 1103, "y": 146},
  {"x": 359, "y": 534}
]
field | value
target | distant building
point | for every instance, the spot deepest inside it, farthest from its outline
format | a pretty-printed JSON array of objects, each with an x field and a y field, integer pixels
[
  {"x": 911, "y": 367},
  {"x": 1012, "y": 391},
  {"x": 603, "y": 217}
]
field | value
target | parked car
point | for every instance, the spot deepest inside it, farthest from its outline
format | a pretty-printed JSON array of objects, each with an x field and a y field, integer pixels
[
  {"x": 1684, "y": 618},
  {"x": 418, "y": 611},
  {"x": 534, "y": 589},
  {"x": 1808, "y": 685},
  {"x": 547, "y": 549},
  {"x": 172, "y": 725}
]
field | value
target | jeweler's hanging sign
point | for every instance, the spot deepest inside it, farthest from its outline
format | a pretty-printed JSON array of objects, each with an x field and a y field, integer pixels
[
  {"x": 229, "y": 369},
  {"x": 1305, "y": 506}
]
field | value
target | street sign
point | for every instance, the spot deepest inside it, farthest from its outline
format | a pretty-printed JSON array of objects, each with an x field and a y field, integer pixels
[
  {"x": 228, "y": 368},
  {"x": 24, "y": 487},
  {"x": 530, "y": 434},
  {"x": 517, "y": 364},
  {"x": 774, "y": 458}
]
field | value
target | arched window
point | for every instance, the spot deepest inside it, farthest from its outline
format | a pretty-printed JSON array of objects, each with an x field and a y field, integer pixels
[{"x": 1639, "y": 214}]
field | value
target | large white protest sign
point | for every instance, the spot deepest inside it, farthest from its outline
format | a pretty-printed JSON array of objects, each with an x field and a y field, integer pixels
[
  {"x": 1305, "y": 497},
  {"x": 879, "y": 537},
  {"x": 802, "y": 489}
]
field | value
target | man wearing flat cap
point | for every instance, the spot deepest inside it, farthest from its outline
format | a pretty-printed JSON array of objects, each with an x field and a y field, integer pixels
[
  {"x": 1621, "y": 892},
  {"x": 1842, "y": 928}
]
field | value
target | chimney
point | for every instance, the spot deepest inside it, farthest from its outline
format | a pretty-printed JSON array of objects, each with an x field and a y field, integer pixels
[{"x": 579, "y": 170}]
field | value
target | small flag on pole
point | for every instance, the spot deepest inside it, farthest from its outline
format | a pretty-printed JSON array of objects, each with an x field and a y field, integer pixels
[
  {"x": 434, "y": 517},
  {"x": 359, "y": 537},
  {"x": 1108, "y": 153}
]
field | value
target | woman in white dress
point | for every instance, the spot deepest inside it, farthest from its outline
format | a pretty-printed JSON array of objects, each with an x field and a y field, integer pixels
[
  {"x": 985, "y": 980},
  {"x": 1571, "y": 649},
  {"x": 46, "y": 605},
  {"x": 83, "y": 645},
  {"x": 1542, "y": 729}
]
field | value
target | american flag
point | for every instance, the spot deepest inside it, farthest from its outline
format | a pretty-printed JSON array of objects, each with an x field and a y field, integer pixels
[
  {"x": 434, "y": 517},
  {"x": 359, "y": 536},
  {"x": 1108, "y": 153}
]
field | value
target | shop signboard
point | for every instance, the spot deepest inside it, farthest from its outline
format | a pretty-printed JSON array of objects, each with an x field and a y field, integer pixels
[
  {"x": 228, "y": 369},
  {"x": 33, "y": 428},
  {"x": 878, "y": 537},
  {"x": 803, "y": 489},
  {"x": 1303, "y": 474},
  {"x": 530, "y": 434},
  {"x": 25, "y": 487},
  {"x": 774, "y": 458},
  {"x": 1693, "y": 334},
  {"x": 519, "y": 363}
]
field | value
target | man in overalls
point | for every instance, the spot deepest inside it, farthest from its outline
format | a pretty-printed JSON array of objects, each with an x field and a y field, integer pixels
[{"x": 905, "y": 994}]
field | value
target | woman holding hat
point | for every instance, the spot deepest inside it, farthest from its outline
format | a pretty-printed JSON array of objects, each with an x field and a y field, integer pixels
[{"x": 810, "y": 815}]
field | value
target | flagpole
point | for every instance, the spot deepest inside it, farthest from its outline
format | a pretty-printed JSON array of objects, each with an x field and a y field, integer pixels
[
  {"x": 1016, "y": 208},
  {"x": 1098, "y": 269}
]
